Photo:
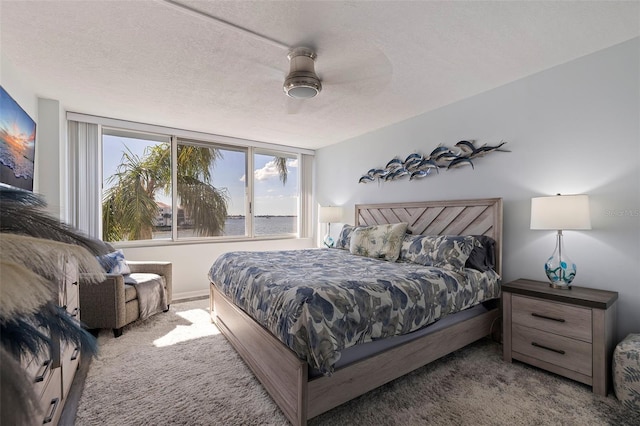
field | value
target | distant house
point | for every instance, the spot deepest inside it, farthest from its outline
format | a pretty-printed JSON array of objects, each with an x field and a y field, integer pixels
[
  {"x": 165, "y": 215},
  {"x": 165, "y": 212}
]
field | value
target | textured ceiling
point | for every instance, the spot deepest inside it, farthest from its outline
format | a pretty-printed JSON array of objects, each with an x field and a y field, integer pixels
[{"x": 380, "y": 62}]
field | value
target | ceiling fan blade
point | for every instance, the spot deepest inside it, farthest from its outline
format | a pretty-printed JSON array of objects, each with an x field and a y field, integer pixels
[
  {"x": 366, "y": 71},
  {"x": 293, "y": 105}
]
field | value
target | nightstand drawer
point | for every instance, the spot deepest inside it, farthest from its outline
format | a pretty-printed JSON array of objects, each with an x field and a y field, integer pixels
[
  {"x": 558, "y": 318},
  {"x": 564, "y": 352}
]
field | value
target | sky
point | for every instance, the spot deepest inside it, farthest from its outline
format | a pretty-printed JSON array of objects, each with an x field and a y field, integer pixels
[{"x": 270, "y": 195}]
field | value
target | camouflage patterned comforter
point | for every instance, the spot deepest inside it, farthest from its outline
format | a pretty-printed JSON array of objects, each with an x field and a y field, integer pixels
[{"x": 320, "y": 301}]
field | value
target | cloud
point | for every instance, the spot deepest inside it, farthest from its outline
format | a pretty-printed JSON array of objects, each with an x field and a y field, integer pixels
[{"x": 267, "y": 172}]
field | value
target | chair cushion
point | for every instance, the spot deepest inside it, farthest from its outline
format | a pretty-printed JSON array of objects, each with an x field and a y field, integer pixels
[
  {"x": 130, "y": 293},
  {"x": 150, "y": 291}
]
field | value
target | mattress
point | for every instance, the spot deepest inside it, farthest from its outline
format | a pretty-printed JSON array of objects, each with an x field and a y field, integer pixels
[{"x": 319, "y": 302}]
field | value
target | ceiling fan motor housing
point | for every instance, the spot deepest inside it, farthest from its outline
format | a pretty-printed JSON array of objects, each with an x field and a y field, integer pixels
[{"x": 302, "y": 81}]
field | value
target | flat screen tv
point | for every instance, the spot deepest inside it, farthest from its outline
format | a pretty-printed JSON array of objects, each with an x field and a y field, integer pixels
[{"x": 17, "y": 144}]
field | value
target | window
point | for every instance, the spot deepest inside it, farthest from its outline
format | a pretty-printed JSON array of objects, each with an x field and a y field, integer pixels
[
  {"x": 168, "y": 187},
  {"x": 211, "y": 190},
  {"x": 136, "y": 186},
  {"x": 275, "y": 193}
]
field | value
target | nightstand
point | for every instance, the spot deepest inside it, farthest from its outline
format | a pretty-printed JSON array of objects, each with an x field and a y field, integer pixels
[{"x": 567, "y": 332}]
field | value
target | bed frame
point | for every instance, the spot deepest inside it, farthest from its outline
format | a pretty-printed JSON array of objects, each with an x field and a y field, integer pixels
[{"x": 285, "y": 376}]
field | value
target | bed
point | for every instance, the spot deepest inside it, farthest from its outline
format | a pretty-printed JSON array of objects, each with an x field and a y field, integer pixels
[{"x": 306, "y": 384}]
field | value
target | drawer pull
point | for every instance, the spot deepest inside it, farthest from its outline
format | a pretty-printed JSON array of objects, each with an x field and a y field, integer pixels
[
  {"x": 43, "y": 372},
  {"x": 533, "y": 314},
  {"x": 52, "y": 412},
  {"x": 74, "y": 355},
  {"x": 537, "y": 345}
]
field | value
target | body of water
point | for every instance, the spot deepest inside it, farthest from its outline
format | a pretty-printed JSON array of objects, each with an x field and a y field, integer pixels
[{"x": 235, "y": 226}]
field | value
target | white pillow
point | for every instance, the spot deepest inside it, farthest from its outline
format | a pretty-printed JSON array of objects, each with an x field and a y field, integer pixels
[{"x": 378, "y": 241}]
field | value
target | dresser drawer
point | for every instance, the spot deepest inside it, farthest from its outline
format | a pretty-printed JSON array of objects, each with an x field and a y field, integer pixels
[
  {"x": 558, "y": 318},
  {"x": 51, "y": 399},
  {"x": 562, "y": 351},
  {"x": 38, "y": 370},
  {"x": 70, "y": 359},
  {"x": 71, "y": 305}
]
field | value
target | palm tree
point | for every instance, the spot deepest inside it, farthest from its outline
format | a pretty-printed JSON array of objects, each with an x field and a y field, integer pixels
[
  {"x": 281, "y": 165},
  {"x": 129, "y": 207}
]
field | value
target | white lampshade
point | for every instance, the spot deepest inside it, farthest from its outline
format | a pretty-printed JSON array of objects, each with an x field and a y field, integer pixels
[
  {"x": 560, "y": 212},
  {"x": 330, "y": 214}
]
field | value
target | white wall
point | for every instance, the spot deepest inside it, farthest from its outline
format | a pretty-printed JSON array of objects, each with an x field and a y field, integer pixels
[
  {"x": 49, "y": 118},
  {"x": 50, "y": 155},
  {"x": 571, "y": 129}
]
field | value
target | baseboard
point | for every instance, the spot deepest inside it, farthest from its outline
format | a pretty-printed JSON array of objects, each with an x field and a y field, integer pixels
[{"x": 180, "y": 297}]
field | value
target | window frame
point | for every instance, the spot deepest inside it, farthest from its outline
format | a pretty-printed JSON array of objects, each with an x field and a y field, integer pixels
[{"x": 303, "y": 156}]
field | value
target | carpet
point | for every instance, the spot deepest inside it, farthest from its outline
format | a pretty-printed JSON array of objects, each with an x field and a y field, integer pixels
[{"x": 175, "y": 368}]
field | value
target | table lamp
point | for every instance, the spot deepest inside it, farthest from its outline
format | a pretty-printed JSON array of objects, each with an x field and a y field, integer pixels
[
  {"x": 560, "y": 212},
  {"x": 327, "y": 215}
]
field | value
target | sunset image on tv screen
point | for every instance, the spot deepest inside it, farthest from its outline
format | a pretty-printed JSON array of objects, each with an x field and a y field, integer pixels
[{"x": 17, "y": 144}]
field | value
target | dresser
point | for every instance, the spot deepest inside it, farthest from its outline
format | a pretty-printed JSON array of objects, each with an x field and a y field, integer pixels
[
  {"x": 53, "y": 370},
  {"x": 567, "y": 332}
]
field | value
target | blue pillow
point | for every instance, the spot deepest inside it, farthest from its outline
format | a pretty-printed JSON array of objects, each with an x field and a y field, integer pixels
[
  {"x": 442, "y": 251},
  {"x": 344, "y": 240},
  {"x": 114, "y": 263}
]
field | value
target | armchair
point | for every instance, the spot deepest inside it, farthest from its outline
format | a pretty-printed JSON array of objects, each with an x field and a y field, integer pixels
[{"x": 114, "y": 303}]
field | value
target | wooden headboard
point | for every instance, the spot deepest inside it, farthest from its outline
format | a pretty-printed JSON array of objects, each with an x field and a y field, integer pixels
[{"x": 450, "y": 217}]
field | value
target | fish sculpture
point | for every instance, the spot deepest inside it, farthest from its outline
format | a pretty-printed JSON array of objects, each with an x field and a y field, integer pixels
[
  {"x": 466, "y": 147},
  {"x": 420, "y": 174},
  {"x": 379, "y": 173},
  {"x": 484, "y": 150},
  {"x": 394, "y": 164},
  {"x": 459, "y": 162},
  {"x": 428, "y": 164},
  {"x": 418, "y": 166},
  {"x": 439, "y": 150},
  {"x": 398, "y": 173}
]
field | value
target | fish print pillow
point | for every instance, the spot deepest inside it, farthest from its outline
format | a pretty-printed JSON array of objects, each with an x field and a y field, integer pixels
[
  {"x": 441, "y": 251},
  {"x": 378, "y": 241},
  {"x": 344, "y": 240}
]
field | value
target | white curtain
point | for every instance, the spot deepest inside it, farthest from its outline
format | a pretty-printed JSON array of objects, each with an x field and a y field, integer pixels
[
  {"x": 306, "y": 196},
  {"x": 84, "y": 177}
]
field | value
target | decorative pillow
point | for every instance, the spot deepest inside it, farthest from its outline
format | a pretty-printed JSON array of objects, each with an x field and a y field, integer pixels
[
  {"x": 344, "y": 240},
  {"x": 114, "y": 263},
  {"x": 442, "y": 251},
  {"x": 378, "y": 241},
  {"x": 483, "y": 257}
]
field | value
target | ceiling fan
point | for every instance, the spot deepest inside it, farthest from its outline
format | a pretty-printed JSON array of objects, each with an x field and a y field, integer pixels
[{"x": 302, "y": 82}]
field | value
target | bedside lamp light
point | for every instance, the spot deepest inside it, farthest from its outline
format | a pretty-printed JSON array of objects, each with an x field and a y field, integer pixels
[
  {"x": 327, "y": 215},
  {"x": 560, "y": 212}
]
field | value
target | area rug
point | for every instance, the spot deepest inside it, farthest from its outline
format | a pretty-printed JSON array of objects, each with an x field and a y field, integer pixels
[{"x": 177, "y": 369}]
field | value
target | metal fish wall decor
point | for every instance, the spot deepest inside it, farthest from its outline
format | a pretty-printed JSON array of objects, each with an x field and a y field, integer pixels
[{"x": 418, "y": 166}]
